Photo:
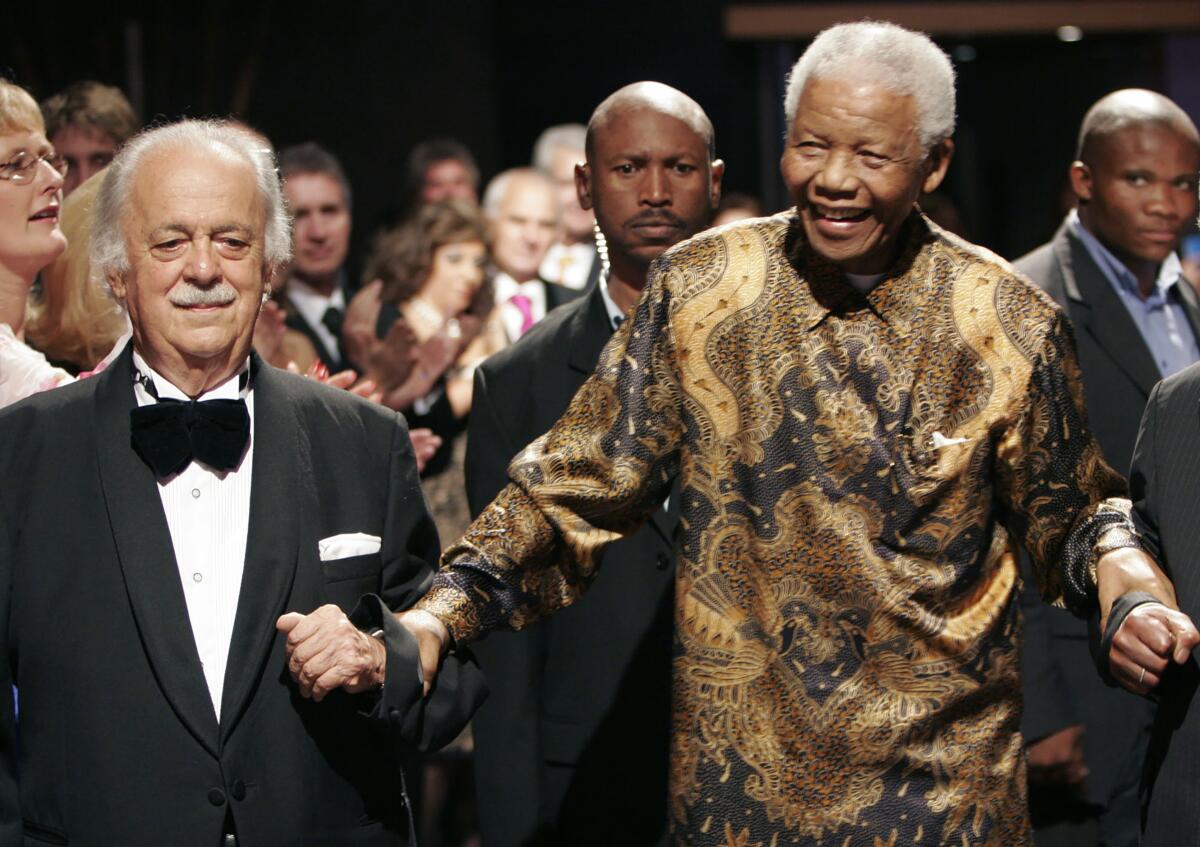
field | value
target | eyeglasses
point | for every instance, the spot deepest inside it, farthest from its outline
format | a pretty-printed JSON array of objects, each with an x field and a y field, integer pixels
[{"x": 22, "y": 167}]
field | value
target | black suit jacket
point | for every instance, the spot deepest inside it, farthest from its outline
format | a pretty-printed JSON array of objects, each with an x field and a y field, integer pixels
[
  {"x": 572, "y": 746},
  {"x": 117, "y": 742},
  {"x": 1165, "y": 485},
  {"x": 1119, "y": 372}
]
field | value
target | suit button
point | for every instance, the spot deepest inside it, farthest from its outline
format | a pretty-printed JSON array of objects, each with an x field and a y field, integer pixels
[
  {"x": 662, "y": 562},
  {"x": 216, "y": 796},
  {"x": 238, "y": 790}
]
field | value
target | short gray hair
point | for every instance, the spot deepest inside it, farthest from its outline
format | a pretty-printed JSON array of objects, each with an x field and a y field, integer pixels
[
  {"x": 109, "y": 252},
  {"x": 905, "y": 62},
  {"x": 571, "y": 137},
  {"x": 497, "y": 189}
]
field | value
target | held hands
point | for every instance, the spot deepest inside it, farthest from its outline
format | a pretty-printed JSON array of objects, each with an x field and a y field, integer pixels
[
  {"x": 433, "y": 640},
  {"x": 1153, "y": 635},
  {"x": 325, "y": 652},
  {"x": 1150, "y": 638}
]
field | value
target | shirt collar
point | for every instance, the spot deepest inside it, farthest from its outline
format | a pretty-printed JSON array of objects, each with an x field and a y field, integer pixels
[
  {"x": 230, "y": 389},
  {"x": 1169, "y": 271},
  {"x": 616, "y": 315},
  {"x": 823, "y": 288}
]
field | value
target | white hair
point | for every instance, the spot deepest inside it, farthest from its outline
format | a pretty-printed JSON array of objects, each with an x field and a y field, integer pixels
[
  {"x": 109, "y": 252},
  {"x": 570, "y": 137},
  {"x": 497, "y": 189},
  {"x": 905, "y": 62}
]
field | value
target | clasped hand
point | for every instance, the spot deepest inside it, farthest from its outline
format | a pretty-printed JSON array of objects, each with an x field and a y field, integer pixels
[
  {"x": 1153, "y": 635},
  {"x": 325, "y": 651}
]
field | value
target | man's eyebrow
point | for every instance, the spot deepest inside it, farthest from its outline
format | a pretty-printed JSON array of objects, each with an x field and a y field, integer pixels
[{"x": 163, "y": 229}]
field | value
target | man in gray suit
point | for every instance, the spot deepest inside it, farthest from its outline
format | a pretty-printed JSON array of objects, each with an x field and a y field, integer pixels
[{"x": 1112, "y": 266}]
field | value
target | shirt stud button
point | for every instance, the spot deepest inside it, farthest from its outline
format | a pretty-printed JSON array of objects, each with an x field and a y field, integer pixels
[
  {"x": 195, "y": 493},
  {"x": 197, "y": 577}
]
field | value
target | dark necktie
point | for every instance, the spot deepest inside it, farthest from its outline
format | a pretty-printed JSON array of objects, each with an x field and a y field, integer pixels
[
  {"x": 332, "y": 319},
  {"x": 169, "y": 434}
]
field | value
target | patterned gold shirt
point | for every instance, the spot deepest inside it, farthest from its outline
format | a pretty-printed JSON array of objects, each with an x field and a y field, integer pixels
[{"x": 852, "y": 468}]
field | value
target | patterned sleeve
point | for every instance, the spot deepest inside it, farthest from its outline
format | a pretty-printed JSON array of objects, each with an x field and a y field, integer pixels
[
  {"x": 594, "y": 477},
  {"x": 1059, "y": 494}
]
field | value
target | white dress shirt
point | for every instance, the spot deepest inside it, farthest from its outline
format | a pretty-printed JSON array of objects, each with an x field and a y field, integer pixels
[
  {"x": 505, "y": 288},
  {"x": 569, "y": 264},
  {"x": 208, "y": 515},
  {"x": 312, "y": 305}
]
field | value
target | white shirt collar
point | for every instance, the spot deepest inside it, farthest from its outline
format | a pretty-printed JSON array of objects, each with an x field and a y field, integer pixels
[
  {"x": 616, "y": 315},
  {"x": 230, "y": 389}
]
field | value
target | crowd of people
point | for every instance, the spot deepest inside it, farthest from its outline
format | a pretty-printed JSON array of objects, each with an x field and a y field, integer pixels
[{"x": 872, "y": 572}]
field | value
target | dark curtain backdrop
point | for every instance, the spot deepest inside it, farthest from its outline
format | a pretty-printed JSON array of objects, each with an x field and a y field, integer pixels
[{"x": 370, "y": 79}]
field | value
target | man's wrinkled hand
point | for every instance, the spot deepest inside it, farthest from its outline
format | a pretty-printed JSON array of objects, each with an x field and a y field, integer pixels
[
  {"x": 1058, "y": 758},
  {"x": 325, "y": 652},
  {"x": 1151, "y": 637},
  {"x": 433, "y": 640}
]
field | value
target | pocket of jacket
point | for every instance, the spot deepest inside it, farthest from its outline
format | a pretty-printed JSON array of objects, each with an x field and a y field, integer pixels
[{"x": 352, "y": 567}]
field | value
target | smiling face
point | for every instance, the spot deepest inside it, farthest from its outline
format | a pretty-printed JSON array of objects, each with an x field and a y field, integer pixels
[
  {"x": 455, "y": 276},
  {"x": 1138, "y": 191},
  {"x": 649, "y": 182},
  {"x": 194, "y": 230},
  {"x": 29, "y": 234},
  {"x": 855, "y": 166}
]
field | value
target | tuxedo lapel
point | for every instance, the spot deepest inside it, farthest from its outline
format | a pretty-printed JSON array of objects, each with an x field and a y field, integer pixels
[
  {"x": 147, "y": 556},
  {"x": 1100, "y": 312},
  {"x": 278, "y": 493}
]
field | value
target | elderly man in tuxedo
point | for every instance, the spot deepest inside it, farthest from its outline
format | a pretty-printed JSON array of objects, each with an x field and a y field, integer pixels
[{"x": 198, "y": 553}]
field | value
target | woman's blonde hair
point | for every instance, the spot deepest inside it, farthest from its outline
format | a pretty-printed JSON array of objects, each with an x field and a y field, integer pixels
[
  {"x": 75, "y": 320},
  {"x": 19, "y": 112}
]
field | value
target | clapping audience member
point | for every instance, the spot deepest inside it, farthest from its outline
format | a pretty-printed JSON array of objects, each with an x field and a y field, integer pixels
[
  {"x": 75, "y": 321},
  {"x": 87, "y": 122},
  {"x": 31, "y": 181},
  {"x": 572, "y": 261},
  {"x": 426, "y": 297}
]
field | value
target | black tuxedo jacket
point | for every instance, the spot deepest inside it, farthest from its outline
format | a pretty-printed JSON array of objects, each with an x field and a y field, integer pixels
[
  {"x": 117, "y": 742},
  {"x": 1119, "y": 372},
  {"x": 1165, "y": 485},
  {"x": 572, "y": 746}
]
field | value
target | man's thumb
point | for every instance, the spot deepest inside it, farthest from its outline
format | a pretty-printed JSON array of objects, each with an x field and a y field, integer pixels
[{"x": 287, "y": 623}]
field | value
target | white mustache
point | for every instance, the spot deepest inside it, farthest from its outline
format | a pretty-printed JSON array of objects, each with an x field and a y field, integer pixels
[{"x": 188, "y": 294}]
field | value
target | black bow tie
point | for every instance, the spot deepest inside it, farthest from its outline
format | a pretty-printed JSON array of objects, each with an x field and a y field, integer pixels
[{"x": 169, "y": 434}]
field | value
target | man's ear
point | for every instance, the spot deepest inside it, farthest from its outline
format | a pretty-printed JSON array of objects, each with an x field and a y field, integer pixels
[
  {"x": 938, "y": 163},
  {"x": 717, "y": 173},
  {"x": 116, "y": 284},
  {"x": 583, "y": 185},
  {"x": 1081, "y": 181}
]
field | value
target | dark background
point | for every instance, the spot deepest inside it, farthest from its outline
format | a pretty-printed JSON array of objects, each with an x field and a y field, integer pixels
[{"x": 370, "y": 79}]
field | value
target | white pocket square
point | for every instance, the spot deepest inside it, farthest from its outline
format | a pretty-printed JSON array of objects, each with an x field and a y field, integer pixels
[{"x": 346, "y": 545}]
